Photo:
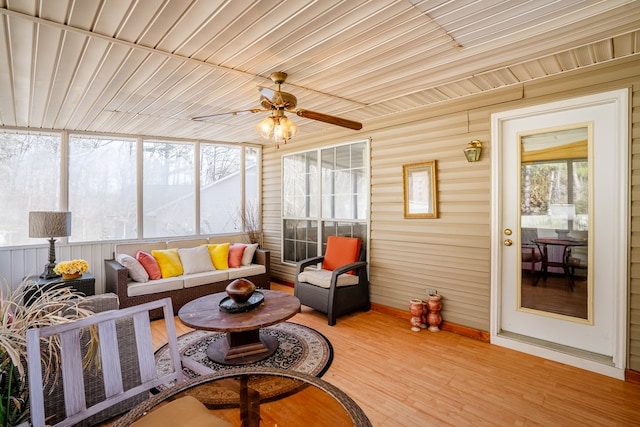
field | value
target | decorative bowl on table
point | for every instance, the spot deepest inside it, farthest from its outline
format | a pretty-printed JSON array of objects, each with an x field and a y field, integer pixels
[{"x": 240, "y": 290}]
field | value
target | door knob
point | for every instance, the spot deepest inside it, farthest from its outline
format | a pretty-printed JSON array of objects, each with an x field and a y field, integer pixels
[
  {"x": 507, "y": 232},
  {"x": 508, "y": 242}
]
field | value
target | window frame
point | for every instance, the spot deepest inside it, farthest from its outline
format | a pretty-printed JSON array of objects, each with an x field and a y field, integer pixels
[
  {"x": 63, "y": 198},
  {"x": 321, "y": 222}
]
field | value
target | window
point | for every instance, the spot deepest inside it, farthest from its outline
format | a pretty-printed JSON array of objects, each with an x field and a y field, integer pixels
[
  {"x": 220, "y": 188},
  {"x": 102, "y": 184},
  {"x": 325, "y": 192},
  {"x": 102, "y": 188},
  {"x": 30, "y": 176},
  {"x": 168, "y": 189}
]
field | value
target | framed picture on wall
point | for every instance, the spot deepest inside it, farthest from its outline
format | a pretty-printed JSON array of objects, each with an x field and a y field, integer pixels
[{"x": 420, "y": 190}]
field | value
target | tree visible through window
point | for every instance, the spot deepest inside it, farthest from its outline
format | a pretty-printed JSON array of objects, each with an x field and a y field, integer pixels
[
  {"x": 30, "y": 176},
  {"x": 102, "y": 188}
]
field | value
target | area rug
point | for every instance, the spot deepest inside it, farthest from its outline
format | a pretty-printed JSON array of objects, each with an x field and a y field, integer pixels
[{"x": 301, "y": 349}]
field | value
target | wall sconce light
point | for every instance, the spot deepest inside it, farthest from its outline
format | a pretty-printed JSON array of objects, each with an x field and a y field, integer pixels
[{"x": 473, "y": 150}]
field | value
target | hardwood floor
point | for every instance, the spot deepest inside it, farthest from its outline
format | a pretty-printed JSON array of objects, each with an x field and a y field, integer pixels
[{"x": 404, "y": 378}]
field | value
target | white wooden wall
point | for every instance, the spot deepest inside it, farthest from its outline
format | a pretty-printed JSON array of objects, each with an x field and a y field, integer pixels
[{"x": 21, "y": 261}]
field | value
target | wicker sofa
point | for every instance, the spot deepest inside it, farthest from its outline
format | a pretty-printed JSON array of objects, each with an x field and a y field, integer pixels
[{"x": 186, "y": 287}]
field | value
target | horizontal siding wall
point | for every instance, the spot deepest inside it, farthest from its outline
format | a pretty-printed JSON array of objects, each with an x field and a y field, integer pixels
[{"x": 451, "y": 253}]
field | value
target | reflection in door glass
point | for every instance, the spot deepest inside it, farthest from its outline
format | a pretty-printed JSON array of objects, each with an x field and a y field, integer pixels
[{"x": 554, "y": 221}]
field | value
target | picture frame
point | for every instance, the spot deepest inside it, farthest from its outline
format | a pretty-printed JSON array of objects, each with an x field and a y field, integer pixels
[{"x": 420, "y": 185}]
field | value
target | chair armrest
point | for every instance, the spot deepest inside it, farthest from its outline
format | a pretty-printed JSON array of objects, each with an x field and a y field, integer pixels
[
  {"x": 301, "y": 265},
  {"x": 348, "y": 267}
]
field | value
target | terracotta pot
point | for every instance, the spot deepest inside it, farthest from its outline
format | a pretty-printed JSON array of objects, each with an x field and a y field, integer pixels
[
  {"x": 415, "y": 308},
  {"x": 240, "y": 290},
  {"x": 434, "y": 318},
  {"x": 66, "y": 276}
]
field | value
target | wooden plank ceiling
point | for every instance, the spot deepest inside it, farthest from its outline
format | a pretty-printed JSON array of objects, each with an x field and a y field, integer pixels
[{"x": 147, "y": 67}]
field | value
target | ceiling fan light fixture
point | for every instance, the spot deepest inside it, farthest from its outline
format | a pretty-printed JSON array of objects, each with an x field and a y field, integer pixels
[
  {"x": 277, "y": 127},
  {"x": 265, "y": 127}
]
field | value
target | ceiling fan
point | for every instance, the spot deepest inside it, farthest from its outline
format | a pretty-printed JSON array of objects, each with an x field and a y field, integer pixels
[{"x": 276, "y": 102}]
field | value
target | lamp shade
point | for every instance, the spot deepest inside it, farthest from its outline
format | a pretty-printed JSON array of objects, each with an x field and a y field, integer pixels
[{"x": 49, "y": 224}]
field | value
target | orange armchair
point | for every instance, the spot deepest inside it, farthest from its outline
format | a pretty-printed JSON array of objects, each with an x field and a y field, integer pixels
[{"x": 341, "y": 286}]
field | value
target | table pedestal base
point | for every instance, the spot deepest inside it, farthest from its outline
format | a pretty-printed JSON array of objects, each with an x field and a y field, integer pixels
[{"x": 241, "y": 348}]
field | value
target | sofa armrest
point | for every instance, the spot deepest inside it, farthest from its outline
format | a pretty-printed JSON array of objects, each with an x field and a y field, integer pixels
[
  {"x": 262, "y": 257},
  {"x": 116, "y": 278}
]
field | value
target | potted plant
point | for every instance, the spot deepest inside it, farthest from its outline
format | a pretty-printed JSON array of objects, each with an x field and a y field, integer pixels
[
  {"x": 71, "y": 269},
  {"x": 53, "y": 306}
]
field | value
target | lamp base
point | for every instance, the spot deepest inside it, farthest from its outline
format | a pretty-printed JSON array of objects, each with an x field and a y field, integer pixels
[{"x": 48, "y": 272}]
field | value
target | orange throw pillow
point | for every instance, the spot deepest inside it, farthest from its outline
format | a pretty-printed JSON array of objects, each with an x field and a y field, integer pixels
[
  {"x": 235, "y": 254},
  {"x": 150, "y": 264},
  {"x": 341, "y": 251}
]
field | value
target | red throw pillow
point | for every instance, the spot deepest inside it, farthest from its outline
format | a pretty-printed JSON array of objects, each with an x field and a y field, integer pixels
[
  {"x": 341, "y": 251},
  {"x": 235, "y": 254},
  {"x": 150, "y": 264}
]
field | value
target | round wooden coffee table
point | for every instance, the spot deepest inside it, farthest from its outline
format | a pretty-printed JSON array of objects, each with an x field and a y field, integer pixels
[{"x": 244, "y": 342}]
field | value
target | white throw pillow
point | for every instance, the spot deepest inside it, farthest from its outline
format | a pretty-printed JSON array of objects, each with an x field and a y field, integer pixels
[
  {"x": 136, "y": 270},
  {"x": 247, "y": 256},
  {"x": 195, "y": 260}
]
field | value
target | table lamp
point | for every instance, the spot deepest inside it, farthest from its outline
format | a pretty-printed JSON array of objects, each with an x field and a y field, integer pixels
[{"x": 50, "y": 225}]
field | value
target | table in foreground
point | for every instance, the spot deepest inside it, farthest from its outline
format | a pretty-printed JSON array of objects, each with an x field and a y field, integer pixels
[
  {"x": 244, "y": 343},
  {"x": 255, "y": 397}
]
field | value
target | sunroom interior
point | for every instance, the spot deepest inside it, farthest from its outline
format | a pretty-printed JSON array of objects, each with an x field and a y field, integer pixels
[{"x": 97, "y": 100}]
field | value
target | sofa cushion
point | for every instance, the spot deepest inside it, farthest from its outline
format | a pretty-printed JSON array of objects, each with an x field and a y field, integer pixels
[
  {"x": 154, "y": 286},
  {"x": 322, "y": 278},
  {"x": 136, "y": 270},
  {"x": 219, "y": 255},
  {"x": 169, "y": 262},
  {"x": 235, "y": 254},
  {"x": 197, "y": 279},
  {"x": 249, "y": 251},
  {"x": 195, "y": 260},
  {"x": 246, "y": 271},
  {"x": 341, "y": 251},
  {"x": 150, "y": 264}
]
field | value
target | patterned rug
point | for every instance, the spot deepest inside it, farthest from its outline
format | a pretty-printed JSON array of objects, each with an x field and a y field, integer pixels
[{"x": 301, "y": 349}]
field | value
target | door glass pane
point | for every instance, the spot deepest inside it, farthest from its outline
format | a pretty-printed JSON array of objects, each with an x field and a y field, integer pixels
[{"x": 554, "y": 221}]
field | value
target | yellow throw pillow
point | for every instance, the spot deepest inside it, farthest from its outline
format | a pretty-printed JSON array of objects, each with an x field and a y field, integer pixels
[
  {"x": 169, "y": 262},
  {"x": 219, "y": 254}
]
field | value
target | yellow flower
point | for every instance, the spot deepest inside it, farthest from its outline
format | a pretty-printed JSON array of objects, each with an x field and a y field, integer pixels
[{"x": 71, "y": 267}]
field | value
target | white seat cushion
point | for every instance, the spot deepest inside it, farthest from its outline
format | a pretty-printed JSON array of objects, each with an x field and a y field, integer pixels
[
  {"x": 198, "y": 279},
  {"x": 246, "y": 271},
  {"x": 322, "y": 278},
  {"x": 154, "y": 286}
]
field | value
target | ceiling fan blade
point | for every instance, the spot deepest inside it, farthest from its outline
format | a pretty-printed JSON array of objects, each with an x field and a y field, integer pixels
[
  {"x": 231, "y": 113},
  {"x": 338, "y": 121}
]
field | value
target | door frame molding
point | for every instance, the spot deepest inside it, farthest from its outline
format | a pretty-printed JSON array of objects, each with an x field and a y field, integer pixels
[{"x": 621, "y": 99}]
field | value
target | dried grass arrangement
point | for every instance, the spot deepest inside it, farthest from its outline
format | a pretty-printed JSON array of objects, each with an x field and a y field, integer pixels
[{"x": 54, "y": 306}]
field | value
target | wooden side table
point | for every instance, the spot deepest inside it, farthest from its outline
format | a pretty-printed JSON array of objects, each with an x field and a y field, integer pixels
[{"x": 85, "y": 284}]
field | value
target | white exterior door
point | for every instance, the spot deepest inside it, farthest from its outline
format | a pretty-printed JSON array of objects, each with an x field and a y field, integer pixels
[{"x": 560, "y": 185}]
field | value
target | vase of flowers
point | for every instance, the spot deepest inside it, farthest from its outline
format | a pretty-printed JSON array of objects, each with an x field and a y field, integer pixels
[{"x": 71, "y": 269}]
